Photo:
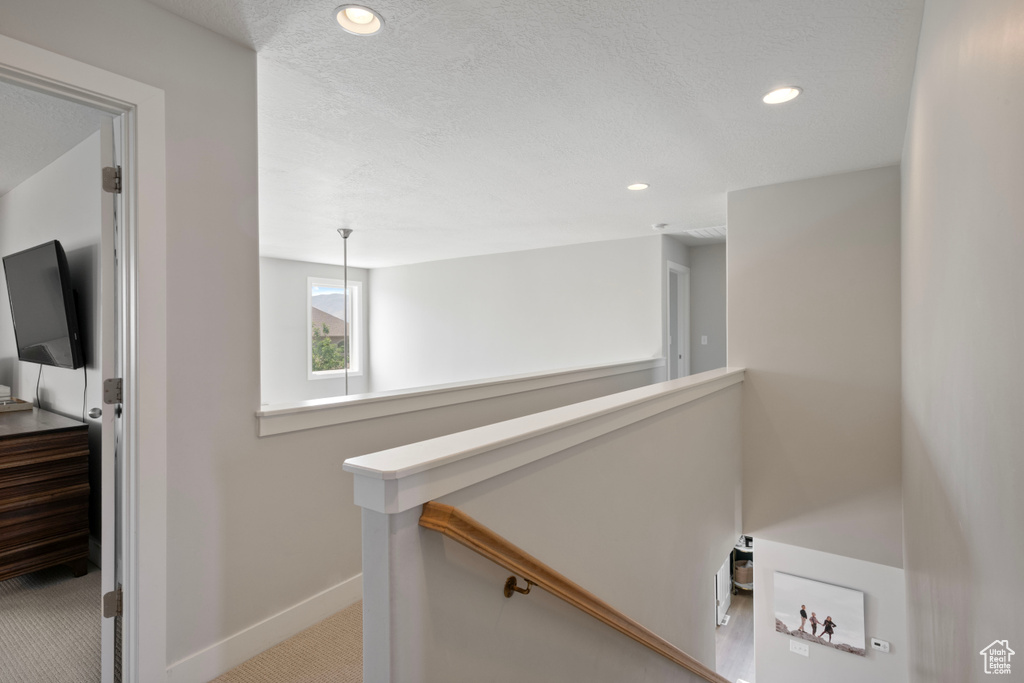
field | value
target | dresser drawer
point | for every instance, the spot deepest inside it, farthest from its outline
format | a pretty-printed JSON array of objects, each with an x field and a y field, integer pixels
[
  {"x": 36, "y": 522},
  {"x": 42, "y": 492},
  {"x": 19, "y": 451},
  {"x": 13, "y": 477},
  {"x": 40, "y": 554}
]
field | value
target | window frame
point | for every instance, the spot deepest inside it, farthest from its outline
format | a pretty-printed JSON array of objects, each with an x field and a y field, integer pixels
[{"x": 355, "y": 304}]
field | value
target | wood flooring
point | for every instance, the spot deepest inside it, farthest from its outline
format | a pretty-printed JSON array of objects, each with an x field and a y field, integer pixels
[{"x": 734, "y": 643}]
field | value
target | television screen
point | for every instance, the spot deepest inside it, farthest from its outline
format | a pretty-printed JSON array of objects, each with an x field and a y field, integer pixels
[{"x": 43, "y": 306}]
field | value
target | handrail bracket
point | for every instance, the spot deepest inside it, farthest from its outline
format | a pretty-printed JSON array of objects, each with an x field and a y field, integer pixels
[{"x": 511, "y": 588}]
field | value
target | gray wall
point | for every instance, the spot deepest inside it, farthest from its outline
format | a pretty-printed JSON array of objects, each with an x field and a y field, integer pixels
[
  {"x": 284, "y": 336},
  {"x": 963, "y": 323},
  {"x": 606, "y": 514},
  {"x": 60, "y": 202},
  {"x": 814, "y": 316},
  {"x": 517, "y": 312},
  {"x": 885, "y": 617},
  {"x": 707, "y": 307}
]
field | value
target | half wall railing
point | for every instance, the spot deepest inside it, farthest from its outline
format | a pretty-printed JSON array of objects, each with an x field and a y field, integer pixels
[{"x": 635, "y": 495}]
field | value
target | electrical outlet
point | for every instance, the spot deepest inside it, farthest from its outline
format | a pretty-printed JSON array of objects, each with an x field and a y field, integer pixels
[
  {"x": 879, "y": 644},
  {"x": 799, "y": 648},
  {"x": 704, "y": 339}
]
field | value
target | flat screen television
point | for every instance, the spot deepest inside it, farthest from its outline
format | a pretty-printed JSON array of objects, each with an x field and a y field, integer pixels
[{"x": 43, "y": 306}]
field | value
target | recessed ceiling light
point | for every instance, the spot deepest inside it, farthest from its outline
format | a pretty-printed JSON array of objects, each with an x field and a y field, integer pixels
[
  {"x": 637, "y": 186},
  {"x": 780, "y": 95},
  {"x": 359, "y": 20}
]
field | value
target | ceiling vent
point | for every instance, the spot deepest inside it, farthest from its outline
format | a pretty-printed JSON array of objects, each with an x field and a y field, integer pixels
[{"x": 716, "y": 233}]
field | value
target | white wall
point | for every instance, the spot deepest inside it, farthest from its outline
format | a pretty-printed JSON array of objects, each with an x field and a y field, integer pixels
[
  {"x": 512, "y": 313},
  {"x": 284, "y": 335},
  {"x": 60, "y": 202},
  {"x": 814, "y": 316},
  {"x": 707, "y": 307},
  {"x": 963, "y": 324},
  {"x": 641, "y": 517},
  {"x": 884, "y": 617}
]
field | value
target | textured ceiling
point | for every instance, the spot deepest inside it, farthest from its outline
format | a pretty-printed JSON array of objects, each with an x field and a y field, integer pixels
[
  {"x": 477, "y": 126},
  {"x": 36, "y": 129}
]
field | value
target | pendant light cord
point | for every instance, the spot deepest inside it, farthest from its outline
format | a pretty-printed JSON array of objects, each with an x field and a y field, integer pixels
[
  {"x": 348, "y": 307},
  {"x": 345, "y": 232}
]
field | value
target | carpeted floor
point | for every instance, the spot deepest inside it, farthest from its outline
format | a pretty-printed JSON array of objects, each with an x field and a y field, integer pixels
[
  {"x": 50, "y": 627},
  {"x": 330, "y": 652}
]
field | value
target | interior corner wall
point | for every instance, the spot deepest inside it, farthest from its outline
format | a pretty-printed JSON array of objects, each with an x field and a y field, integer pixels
[
  {"x": 814, "y": 317},
  {"x": 884, "y": 617},
  {"x": 60, "y": 202},
  {"x": 675, "y": 251},
  {"x": 963, "y": 324},
  {"x": 708, "y": 304},
  {"x": 284, "y": 337},
  {"x": 516, "y": 312}
]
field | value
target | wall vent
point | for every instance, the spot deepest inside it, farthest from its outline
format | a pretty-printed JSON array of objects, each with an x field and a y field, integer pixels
[{"x": 718, "y": 232}]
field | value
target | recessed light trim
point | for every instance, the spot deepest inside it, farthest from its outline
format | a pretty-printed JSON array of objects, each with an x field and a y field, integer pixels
[
  {"x": 780, "y": 95},
  {"x": 358, "y": 20},
  {"x": 636, "y": 187}
]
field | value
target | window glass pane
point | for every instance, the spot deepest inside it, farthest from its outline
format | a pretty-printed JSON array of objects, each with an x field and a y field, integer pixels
[{"x": 331, "y": 313}]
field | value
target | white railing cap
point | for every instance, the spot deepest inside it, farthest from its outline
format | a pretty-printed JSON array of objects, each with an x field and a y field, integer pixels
[
  {"x": 399, "y": 478},
  {"x": 324, "y": 412}
]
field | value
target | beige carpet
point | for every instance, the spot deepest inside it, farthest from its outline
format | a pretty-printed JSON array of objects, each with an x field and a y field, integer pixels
[
  {"x": 50, "y": 627},
  {"x": 330, "y": 652}
]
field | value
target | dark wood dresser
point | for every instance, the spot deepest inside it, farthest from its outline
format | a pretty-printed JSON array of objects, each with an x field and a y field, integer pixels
[{"x": 44, "y": 492}]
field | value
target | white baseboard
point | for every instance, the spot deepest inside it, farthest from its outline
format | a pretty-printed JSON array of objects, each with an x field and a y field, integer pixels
[{"x": 205, "y": 665}]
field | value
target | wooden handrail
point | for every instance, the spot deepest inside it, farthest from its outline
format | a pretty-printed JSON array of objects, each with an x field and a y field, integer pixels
[{"x": 462, "y": 528}]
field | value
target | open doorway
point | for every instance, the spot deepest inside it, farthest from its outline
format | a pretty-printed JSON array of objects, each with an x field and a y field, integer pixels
[
  {"x": 734, "y": 614},
  {"x": 678, "y": 320},
  {"x": 59, "y": 341}
]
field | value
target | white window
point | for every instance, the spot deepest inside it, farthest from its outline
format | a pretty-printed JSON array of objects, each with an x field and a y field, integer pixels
[{"x": 334, "y": 328}]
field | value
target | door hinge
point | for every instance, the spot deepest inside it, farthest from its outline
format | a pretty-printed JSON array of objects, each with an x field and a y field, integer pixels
[
  {"x": 112, "y": 179},
  {"x": 113, "y": 602},
  {"x": 112, "y": 391}
]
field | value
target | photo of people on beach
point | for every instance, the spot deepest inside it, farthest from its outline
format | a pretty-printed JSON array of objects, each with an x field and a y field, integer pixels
[{"x": 820, "y": 613}]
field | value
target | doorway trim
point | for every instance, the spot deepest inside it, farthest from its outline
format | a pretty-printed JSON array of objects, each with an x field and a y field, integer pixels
[
  {"x": 142, "y": 272},
  {"x": 683, "y": 274}
]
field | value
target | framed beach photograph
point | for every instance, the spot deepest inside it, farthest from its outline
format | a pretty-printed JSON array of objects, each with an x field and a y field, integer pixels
[{"x": 820, "y": 613}]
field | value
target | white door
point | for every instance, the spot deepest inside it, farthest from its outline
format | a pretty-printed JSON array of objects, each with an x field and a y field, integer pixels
[
  {"x": 723, "y": 591},
  {"x": 110, "y": 556}
]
